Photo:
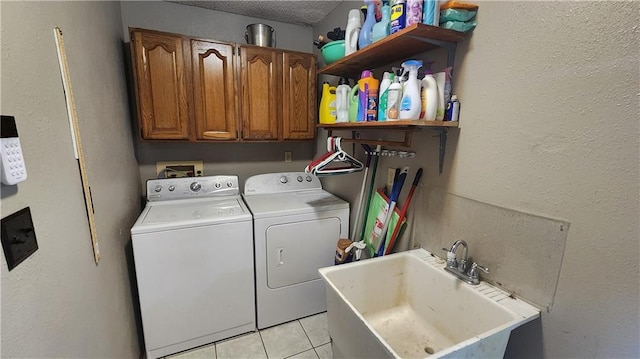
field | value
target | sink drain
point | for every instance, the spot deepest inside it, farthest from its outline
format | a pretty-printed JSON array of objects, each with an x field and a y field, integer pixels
[{"x": 429, "y": 350}]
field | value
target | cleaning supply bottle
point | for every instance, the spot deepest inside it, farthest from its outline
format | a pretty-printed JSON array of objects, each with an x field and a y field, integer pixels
[
  {"x": 352, "y": 32},
  {"x": 428, "y": 12},
  {"x": 368, "y": 95},
  {"x": 394, "y": 97},
  {"x": 328, "y": 104},
  {"x": 365, "y": 32},
  {"x": 410, "y": 105},
  {"x": 398, "y": 16},
  {"x": 354, "y": 102},
  {"x": 384, "y": 94},
  {"x": 429, "y": 97},
  {"x": 381, "y": 28},
  {"x": 453, "y": 109},
  {"x": 342, "y": 100},
  {"x": 414, "y": 12}
]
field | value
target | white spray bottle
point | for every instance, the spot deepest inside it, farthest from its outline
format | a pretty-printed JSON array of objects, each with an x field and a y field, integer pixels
[{"x": 411, "y": 104}]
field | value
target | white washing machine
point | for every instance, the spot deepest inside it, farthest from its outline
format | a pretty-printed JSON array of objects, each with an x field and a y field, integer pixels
[
  {"x": 296, "y": 227},
  {"x": 193, "y": 254}
]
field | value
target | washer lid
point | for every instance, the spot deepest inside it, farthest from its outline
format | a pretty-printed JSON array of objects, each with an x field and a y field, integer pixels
[
  {"x": 190, "y": 212},
  {"x": 281, "y": 204}
]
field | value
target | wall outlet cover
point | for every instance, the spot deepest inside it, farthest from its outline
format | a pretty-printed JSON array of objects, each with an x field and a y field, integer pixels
[{"x": 18, "y": 237}]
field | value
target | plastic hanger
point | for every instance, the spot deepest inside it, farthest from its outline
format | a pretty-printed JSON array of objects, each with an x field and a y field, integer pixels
[{"x": 335, "y": 153}]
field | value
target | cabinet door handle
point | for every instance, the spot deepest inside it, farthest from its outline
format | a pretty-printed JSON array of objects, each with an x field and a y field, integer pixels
[{"x": 218, "y": 135}]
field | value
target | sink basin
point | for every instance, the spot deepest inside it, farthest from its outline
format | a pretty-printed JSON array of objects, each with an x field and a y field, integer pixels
[{"x": 405, "y": 305}]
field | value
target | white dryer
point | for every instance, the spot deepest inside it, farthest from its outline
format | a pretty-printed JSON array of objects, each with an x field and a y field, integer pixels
[
  {"x": 193, "y": 255},
  {"x": 296, "y": 227}
]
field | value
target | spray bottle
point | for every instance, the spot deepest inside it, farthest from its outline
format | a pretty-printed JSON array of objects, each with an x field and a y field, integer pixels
[{"x": 410, "y": 105}]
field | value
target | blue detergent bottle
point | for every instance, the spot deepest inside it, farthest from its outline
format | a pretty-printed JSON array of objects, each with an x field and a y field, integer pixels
[{"x": 367, "y": 27}]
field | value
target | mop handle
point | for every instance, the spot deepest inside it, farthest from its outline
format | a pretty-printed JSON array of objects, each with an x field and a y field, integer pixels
[{"x": 403, "y": 212}]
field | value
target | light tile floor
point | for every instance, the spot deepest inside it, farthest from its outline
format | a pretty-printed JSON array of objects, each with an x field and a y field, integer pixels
[{"x": 306, "y": 338}]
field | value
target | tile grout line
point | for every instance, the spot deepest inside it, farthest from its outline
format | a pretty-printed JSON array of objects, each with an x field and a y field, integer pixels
[
  {"x": 309, "y": 339},
  {"x": 264, "y": 347}
]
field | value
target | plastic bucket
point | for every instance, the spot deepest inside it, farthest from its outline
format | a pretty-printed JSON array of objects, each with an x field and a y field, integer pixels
[{"x": 261, "y": 35}]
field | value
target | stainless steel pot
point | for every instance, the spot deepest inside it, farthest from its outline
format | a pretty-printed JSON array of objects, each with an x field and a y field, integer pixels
[{"x": 261, "y": 35}]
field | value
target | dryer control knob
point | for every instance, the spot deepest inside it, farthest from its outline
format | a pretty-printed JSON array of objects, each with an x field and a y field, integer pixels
[
  {"x": 229, "y": 184},
  {"x": 299, "y": 178},
  {"x": 284, "y": 179},
  {"x": 172, "y": 188},
  {"x": 195, "y": 186},
  {"x": 218, "y": 185},
  {"x": 158, "y": 188},
  {"x": 309, "y": 178}
]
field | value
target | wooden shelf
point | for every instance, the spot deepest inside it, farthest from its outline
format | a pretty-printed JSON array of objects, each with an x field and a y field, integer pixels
[
  {"x": 414, "y": 39},
  {"x": 372, "y": 125}
]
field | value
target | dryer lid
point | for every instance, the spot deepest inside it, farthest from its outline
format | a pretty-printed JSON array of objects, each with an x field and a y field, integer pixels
[{"x": 280, "y": 204}]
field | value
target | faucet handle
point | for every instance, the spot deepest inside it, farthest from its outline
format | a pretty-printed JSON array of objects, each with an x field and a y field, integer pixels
[
  {"x": 473, "y": 272},
  {"x": 452, "y": 262}
]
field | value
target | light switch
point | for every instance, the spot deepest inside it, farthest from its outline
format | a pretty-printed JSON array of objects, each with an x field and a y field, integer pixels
[{"x": 18, "y": 237}]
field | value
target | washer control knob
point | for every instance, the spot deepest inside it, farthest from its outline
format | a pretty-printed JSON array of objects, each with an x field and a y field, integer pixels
[
  {"x": 309, "y": 178},
  {"x": 229, "y": 184},
  {"x": 299, "y": 178},
  {"x": 218, "y": 185},
  {"x": 284, "y": 179},
  {"x": 158, "y": 188},
  {"x": 172, "y": 188},
  {"x": 195, "y": 186}
]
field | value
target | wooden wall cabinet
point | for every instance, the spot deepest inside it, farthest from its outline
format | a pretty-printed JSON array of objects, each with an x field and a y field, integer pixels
[
  {"x": 161, "y": 85},
  {"x": 202, "y": 90}
]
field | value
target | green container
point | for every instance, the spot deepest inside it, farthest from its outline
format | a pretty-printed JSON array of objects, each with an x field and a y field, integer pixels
[{"x": 332, "y": 51}]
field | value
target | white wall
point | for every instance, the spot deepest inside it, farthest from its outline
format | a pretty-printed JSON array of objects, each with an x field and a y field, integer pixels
[
  {"x": 58, "y": 303},
  {"x": 550, "y": 126}
]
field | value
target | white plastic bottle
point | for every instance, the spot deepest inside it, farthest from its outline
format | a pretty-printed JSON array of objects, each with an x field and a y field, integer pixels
[
  {"x": 411, "y": 104},
  {"x": 394, "y": 98},
  {"x": 384, "y": 95},
  {"x": 342, "y": 101},
  {"x": 429, "y": 98},
  {"x": 352, "y": 32}
]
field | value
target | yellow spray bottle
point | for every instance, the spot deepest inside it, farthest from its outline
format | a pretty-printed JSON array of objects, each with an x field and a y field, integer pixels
[{"x": 328, "y": 104}]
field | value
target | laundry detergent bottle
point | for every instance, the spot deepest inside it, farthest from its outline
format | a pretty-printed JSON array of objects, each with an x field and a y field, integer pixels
[
  {"x": 354, "y": 103},
  {"x": 342, "y": 101},
  {"x": 367, "y": 27},
  {"x": 328, "y": 104},
  {"x": 411, "y": 104},
  {"x": 429, "y": 97},
  {"x": 352, "y": 32},
  {"x": 368, "y": 91}
]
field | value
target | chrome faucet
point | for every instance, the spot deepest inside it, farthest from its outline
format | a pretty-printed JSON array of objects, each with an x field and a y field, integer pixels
[{"x": 459, "y": 269}]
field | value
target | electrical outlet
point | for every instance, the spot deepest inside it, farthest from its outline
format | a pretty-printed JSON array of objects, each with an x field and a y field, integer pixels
[
  {"x": 18, "y": 237},
  {"x": 179, "y": 169},
  {"x": 288, "y": 156}
]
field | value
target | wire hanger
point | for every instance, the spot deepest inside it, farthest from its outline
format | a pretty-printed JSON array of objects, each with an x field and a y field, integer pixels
[{"x": 324, "y": 165}]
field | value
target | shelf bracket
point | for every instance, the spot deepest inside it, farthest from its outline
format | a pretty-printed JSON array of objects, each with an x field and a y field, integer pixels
[
  {"x": 450, "y": 46},
  {"x": 442, "y": 147}
]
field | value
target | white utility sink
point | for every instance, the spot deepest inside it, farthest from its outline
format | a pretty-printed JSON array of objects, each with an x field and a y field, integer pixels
[{"x": 406, "y": 305}]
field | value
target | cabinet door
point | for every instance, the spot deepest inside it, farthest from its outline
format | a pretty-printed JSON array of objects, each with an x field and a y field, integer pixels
[
  {"x": 261, "y": 92},
  {"x": 214, "y": 89},
  {"x": 299, "y": 96},
  {"x": 161, "y": 90}
]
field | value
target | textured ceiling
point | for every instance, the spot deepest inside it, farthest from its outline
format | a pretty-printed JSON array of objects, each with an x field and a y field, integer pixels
[{"x": 306, "y": 12}]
